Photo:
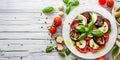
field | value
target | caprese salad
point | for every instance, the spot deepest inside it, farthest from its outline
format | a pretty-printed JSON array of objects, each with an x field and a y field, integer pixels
[{"x": 90, "y": 32}]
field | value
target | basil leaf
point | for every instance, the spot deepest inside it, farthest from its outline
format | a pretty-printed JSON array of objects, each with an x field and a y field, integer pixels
[
  {"x": 49, "y": 49},
  {"x": 82, "y": 36},
  {"x": 62, "y": 54},
  {"x": 109, "y": 31},
  {"x": 74, "y": 58},
  {"x": 115, "y": 52},
  {"x": 75, "y": 3},
  {"x": 90, "y": 25},
  {"x": 65, "y": 1},
  {"x": 68, "y": 9},
  {"x": 80, "y": 28},
  {"x": 48, "y": 10},
  {"x": 87, "y": 30},
  {"x": 97, "y": 33},
  {"x": 67, "y": 51}
]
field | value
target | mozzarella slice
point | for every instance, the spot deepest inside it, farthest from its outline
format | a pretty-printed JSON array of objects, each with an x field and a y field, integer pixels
[
  {"x": 93, "y": 44},
  {"x": 94, "y": 17},
  {"x": 84, "y": 20},
  {"x": 104, "y": 27},
  {"x": 81, "y": 44}
]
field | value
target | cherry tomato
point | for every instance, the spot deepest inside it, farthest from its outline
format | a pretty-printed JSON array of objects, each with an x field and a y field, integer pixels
[
  {"x": 84, "y": 50},
  {"x": 57, "y": 21},
  {"x": 108, "y": 22},
  {"x": 102, "y": 2},
  {"x": 106, "y": 35},
  {"x": 101, "y": 58},
  {"x": 110, "y": 3},
  {"x": 52, "y": 30},
  {"x": 74, "y": 24}
]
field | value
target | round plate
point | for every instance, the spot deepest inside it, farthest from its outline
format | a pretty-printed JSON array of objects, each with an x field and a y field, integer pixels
[{"x": 103, "y": 12}]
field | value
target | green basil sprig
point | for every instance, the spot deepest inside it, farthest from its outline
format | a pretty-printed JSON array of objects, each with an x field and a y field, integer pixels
[
  {"x": 61, "y": 54},
  {"x": 80, "y": 28},
  {"x": 82, "y": 36},
  {"x": 49, "y": 49},
  {"x": 70, "y": 4},
  {"x": 115, "y": 52},
  {"x": 97, "y": 33},
  {"x": 74, "y": 58},
  {"x": 67, "y": 51},
  {"x": 48, "y": 10}
]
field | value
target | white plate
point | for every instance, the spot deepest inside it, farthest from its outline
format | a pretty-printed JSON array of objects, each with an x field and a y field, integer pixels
[{"x": 70, "y": 18}]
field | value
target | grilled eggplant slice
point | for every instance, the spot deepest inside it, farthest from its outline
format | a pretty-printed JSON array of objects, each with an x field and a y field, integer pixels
[
  {"x": 99, "y": 40},
  {"x": 99, "y": 21},
  {"x": 74, "y": 35}
]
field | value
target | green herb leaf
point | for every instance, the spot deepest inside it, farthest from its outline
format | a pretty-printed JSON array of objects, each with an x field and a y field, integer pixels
[
  {"x": 49, "y": 49},
  {"x": 48, "y": 9},
  {"x": 118, "y": 33},
  {"x": 115, "y": 52},
  {"x": 74, "y": 58},
  {"x": 109, "y": 31},
  {"x": 90, "y": 25},
  {"x": 75, "y": 3},
  {"x": 65, "y": 1},
  {"x": 68, "y": 9},
  {"x": 62, "y": 54},
  {"x": 82, "y": 36},
  {"x": 97, "y": 33},
  {"x": 80, "y": 28},
  {"x": 67, "y": 51}
]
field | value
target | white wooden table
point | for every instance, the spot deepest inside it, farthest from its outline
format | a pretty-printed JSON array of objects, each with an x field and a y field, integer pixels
[{"x": 24, "y": 30}]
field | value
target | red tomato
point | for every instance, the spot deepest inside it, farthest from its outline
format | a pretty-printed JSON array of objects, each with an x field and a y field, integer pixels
[
  {"x": 102, "y": 2},
  {"x": 74, "y": 24},
  {"x": 87, "y": 38},
  {"x": 52, "y": 30},
  {"x": 106, "y": 35},
  {"x": 101, "y": 58},
  {"x": 57, "y": 21},
  {"x": 84, "y": 50},
  {"x": 110, "y": 3}
]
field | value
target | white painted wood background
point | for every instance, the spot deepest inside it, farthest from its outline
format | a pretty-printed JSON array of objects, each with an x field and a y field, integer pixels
[{"x": 24, "y": 30}]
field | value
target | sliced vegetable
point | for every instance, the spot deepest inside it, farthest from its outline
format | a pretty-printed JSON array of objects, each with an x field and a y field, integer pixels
[
  {"x": 59, "y": 47},
  {"x": 85, "y": 50},
  {"x": 82, "y": 19},
  {"x": 59, "y": 39},
  {"x": 67, "y": 51},
  {"x": 49, "y": 49},
  {"x": 115, "y": 52},
  {"x": 104, "y": 28},
  {"x": 93, "y": 45},
  {"x": 81, "y": 44},
  {"x": 87, "y": 15},
  {"x": 106, "y": 36},
  {"x": 48, "y": 10},
  {"x": 74, "y": 35},
  {"x": 97, "y": 33},
  {"x": 82, "y": 36},
  {"x": 74, "y": 24},
  {"x": 99, "y": 40},
  {"x": 61, "y": 54},
  {"x": 99, "y": 21}
]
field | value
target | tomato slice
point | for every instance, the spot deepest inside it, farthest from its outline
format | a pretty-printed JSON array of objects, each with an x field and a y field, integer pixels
[
  {"x": 106, "y": 36},
  {"x": 74, "y": 24},
  {"x": 88, "y": 38},
  {"x": 84, "y": 50}
]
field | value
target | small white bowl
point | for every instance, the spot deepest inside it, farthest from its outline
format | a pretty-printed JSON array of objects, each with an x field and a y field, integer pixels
[{"x": 113, "y": 11}]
